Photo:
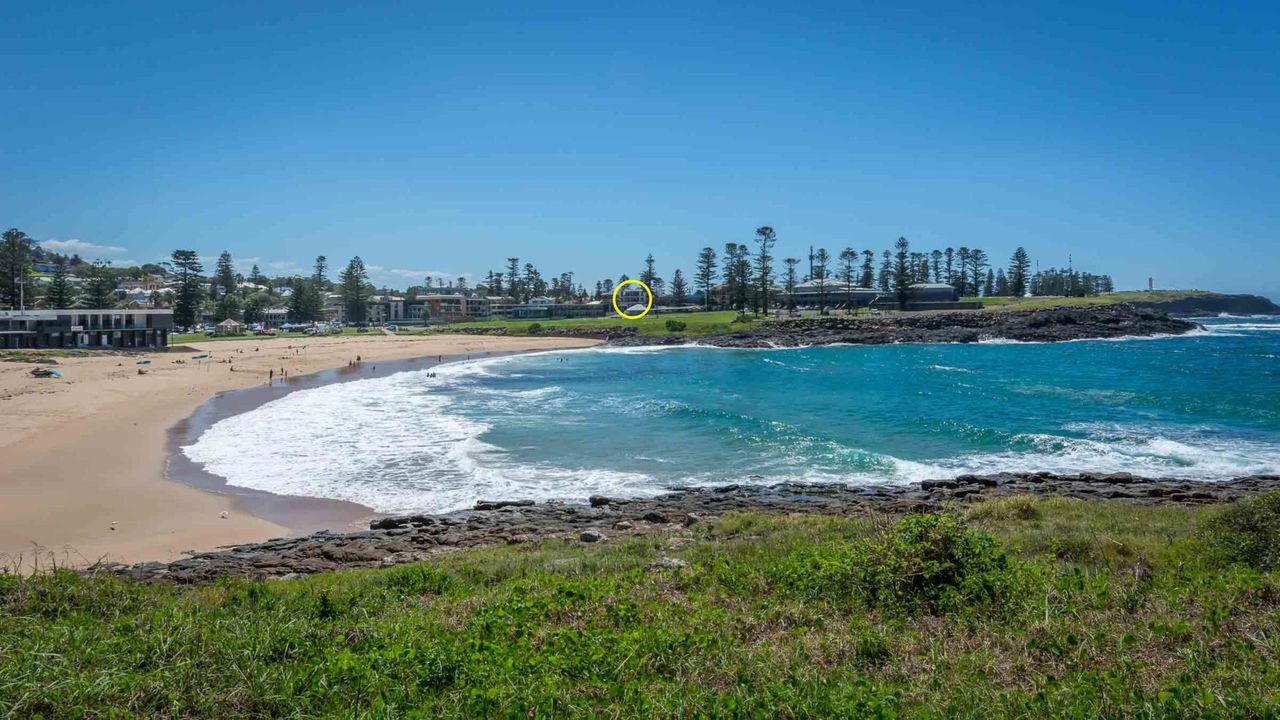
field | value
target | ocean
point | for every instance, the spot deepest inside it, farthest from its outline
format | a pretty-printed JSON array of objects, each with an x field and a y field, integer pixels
[{"x": 636, "y": 421}]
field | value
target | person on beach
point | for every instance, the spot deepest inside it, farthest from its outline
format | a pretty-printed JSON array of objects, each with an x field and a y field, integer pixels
[{"x": 271, "y": 376}]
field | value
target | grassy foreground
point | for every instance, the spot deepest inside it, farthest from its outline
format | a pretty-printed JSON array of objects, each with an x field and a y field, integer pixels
[{"x": 1019, "y": 607}]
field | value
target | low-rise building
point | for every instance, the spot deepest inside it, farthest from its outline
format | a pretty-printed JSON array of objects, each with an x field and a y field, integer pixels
[
  {"x": 384, "y": 309},
  {"x": 632, "y": 294},
  {"x": 86, "y": 328},
  {"x": 379, "y": 309},
  {"x": 558, "y": 311},
  {"x": 447, "y": 308},
  {"x": 833, "y": 293}
]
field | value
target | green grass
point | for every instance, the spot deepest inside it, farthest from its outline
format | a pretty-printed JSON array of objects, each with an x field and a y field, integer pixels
[
  {"x": 1107, "y": 299},
  {"x": 696, "y": 324},
  {"x": 184, "y": 338},
  {"x": 26, "y": 355},
  {"x": 1020, "y": 607}
]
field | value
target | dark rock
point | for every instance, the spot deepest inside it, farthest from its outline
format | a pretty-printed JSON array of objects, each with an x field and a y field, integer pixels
[
  {"x": 956, "y": 326},
  {"x": 408, "y": 538},
  {"x": 598, "y": 500},
  {"x": 499, "y": 504}
]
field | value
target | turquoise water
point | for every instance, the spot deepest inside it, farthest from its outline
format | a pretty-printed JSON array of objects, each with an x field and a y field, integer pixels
[{"x": 634, "y": 421}]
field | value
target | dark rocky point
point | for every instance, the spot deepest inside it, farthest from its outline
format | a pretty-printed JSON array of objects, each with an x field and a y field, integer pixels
[{"x": 1053, "y": 324}]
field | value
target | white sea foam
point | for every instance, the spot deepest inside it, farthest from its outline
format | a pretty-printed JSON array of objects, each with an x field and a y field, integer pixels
[
  {"x": 390, "y": 444},
  {"x": 1246, "y": 326},
  {"x": 1112, "y": 448}
]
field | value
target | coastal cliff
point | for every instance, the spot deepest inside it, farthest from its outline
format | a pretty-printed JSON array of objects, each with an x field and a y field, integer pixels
[{"x": 1053, "y": 324}]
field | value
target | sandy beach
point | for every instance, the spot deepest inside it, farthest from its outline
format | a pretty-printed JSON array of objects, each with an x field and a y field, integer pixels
[{"x": 82, "y": 476}]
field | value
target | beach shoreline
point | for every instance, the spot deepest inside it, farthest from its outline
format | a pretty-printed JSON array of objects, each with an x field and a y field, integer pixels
[
  {"x": 85, "y": 457},
  {"x": 300, "y": 514}
]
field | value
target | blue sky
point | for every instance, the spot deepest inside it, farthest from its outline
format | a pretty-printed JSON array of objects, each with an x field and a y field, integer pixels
[{"x": 443, "y": 138}]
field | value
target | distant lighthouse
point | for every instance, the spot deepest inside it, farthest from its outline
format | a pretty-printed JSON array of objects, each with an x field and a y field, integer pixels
[{"x": 1150, "y": 285}]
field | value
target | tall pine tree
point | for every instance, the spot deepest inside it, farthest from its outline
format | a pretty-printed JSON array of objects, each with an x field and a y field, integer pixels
[
  {"x": 354, "y": 295},
  {"x": 704, "y": 275},
  {"x": 186, "y": 265},
  {"x": 765, "y": 239},
  {"x": 15, "y": 267},
  {"x": 61, "y": 293}
]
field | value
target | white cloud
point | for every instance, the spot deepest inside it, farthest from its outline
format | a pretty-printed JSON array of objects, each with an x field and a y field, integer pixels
[{"x": 80, "y": 247}]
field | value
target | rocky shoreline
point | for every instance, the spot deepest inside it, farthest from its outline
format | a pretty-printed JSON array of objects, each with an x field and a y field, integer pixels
[
  {"x": 1053, "y": 324},
  {"x": 949, "y": 326},
  {"x": 412, "y": 538},
  {"x": 1214, "y": 303}
]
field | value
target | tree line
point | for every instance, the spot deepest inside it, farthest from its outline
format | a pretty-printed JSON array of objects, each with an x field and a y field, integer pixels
[{"x": 741, "y": 276}]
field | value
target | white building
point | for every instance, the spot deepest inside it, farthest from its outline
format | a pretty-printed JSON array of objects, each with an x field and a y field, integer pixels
[{"x": 275, "y": 316}]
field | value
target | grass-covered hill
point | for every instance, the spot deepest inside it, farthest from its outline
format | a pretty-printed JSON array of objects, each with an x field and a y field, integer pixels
[{"x": 1015, "y": 607}]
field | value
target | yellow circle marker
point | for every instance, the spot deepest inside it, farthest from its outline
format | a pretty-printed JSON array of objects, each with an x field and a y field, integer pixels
[{"x": 647, "y": 308}]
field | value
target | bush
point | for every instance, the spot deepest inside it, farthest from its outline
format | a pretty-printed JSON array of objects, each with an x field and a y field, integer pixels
[
  {"x": 419, "y": 580},
  {"x": 1248, "y": 532},
  {"x": 935, "y": 563},
  {"x": 535, "y": 328},
  {"x": 1015, "y": 507},
  {"x": 676, "y": 326},
  {"x": 742, "y": 318},
  {"x": 932, "y": 564}
]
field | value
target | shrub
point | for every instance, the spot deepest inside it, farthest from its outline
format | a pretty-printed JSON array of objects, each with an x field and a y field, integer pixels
[
  {"x": 1248, "y": 532},
  {"x": 535, "y": 328},
  {"x": 1015, "y": 507},
  {"x": 742, "y": 318},
  {"x": 935, "y": 563},
  {"x": 676, "y": 325},
  {"x": 926, "y": 563},
  {"x": 419, "y": 580}
]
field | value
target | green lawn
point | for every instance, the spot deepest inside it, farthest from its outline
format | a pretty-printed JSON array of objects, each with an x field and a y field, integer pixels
[
  {"x": 1022, "y": 607},
  {"x": 698, "y": 323},
  {"x": 184, "y": 338}
]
